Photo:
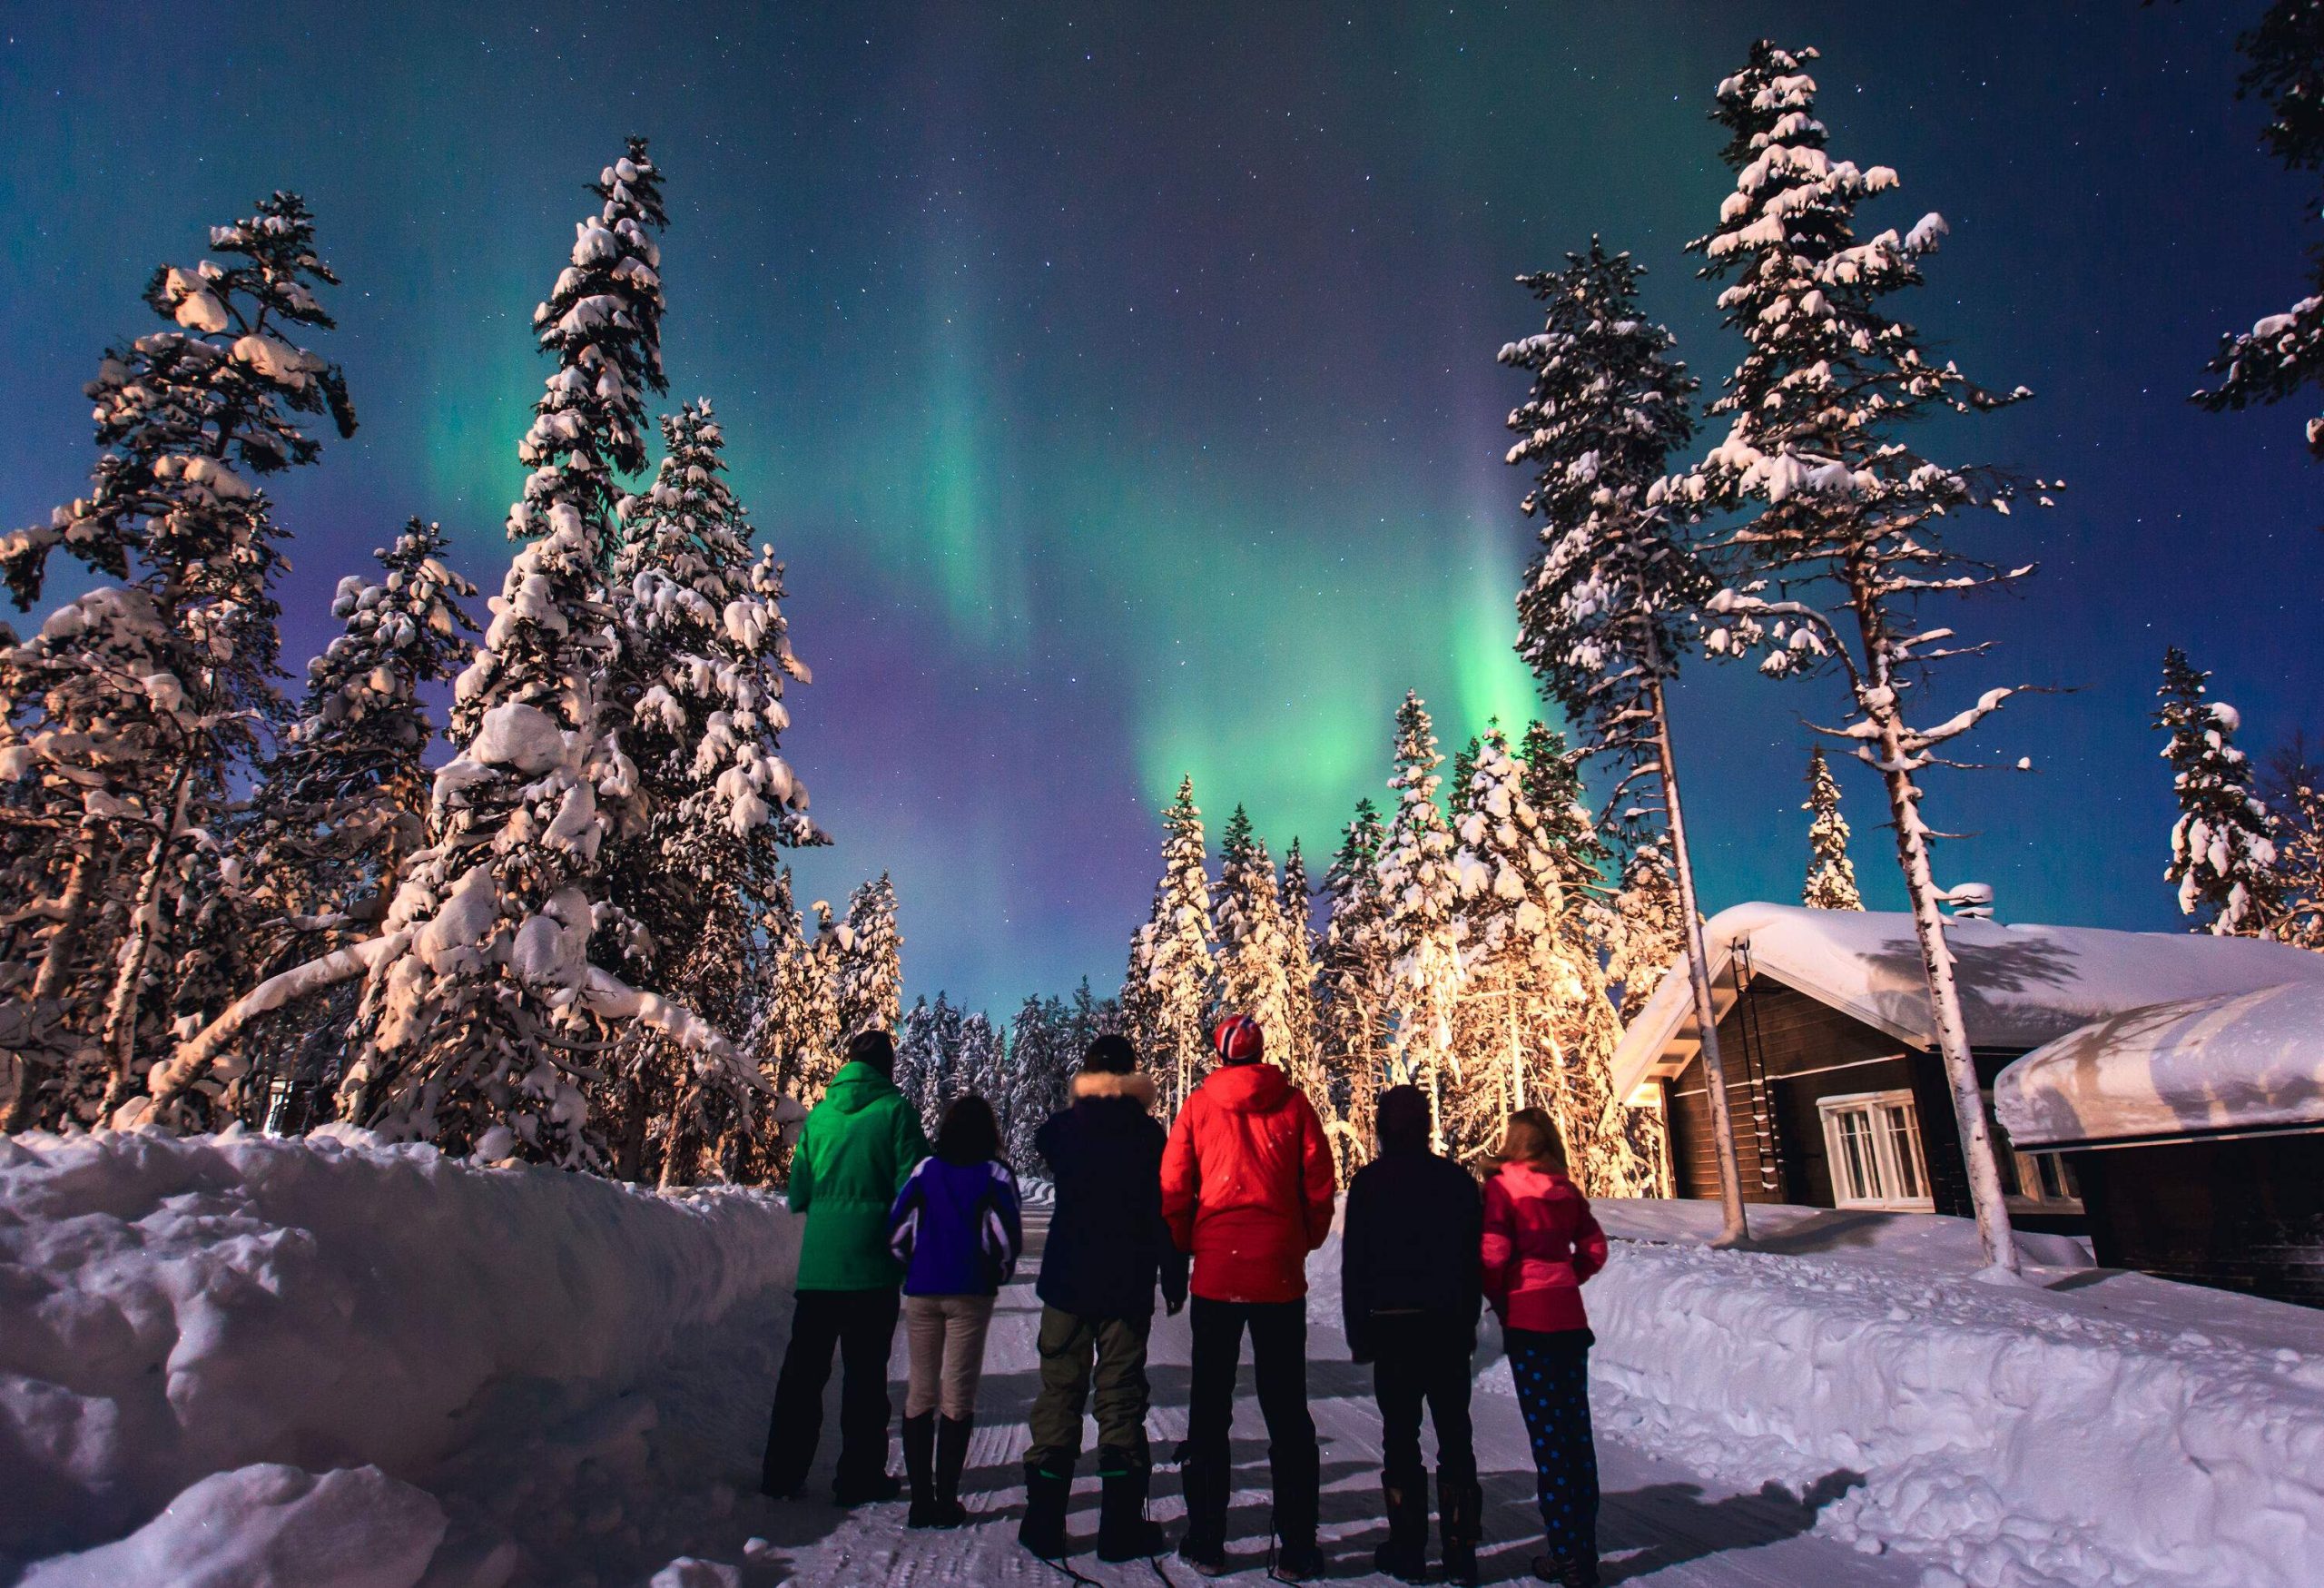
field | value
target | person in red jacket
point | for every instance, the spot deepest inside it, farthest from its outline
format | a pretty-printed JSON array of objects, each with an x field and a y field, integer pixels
[
  {"x": 1540, "y": 1245},
  {"x": 1246, "y": 1189}
]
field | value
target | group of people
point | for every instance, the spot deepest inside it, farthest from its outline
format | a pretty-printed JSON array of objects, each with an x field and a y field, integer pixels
[{"x": 1218, "y": 1216}]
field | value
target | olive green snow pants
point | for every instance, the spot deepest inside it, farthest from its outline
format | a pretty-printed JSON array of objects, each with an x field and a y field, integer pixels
[{"x": 1068, "y": 1342}]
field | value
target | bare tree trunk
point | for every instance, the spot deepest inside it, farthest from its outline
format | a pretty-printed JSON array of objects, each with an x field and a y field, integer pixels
[
  {"x": 72, "y": 914},
  {"x": 122, "y": 1009},
  {"x": 674, "y": 1137},
  {"x": 1734, "y": 1230},
  {"x": 1994, "y": 1231}
]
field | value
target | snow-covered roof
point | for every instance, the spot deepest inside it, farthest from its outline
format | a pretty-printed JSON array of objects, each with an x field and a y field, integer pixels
[
  {"x": 2240, "y": 1061},
  {"x": 2020, "y": 986}
]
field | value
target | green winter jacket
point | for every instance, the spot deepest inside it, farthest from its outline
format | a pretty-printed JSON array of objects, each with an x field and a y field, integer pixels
[{"x": 860, "y": 1145}]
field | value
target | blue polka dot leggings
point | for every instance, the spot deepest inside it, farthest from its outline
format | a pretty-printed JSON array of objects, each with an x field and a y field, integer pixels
[{"x": 1552, "y": 1375}]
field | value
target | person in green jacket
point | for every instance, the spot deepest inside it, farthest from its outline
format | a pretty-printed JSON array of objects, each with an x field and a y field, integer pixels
[{"x": 860, "y": 1144}]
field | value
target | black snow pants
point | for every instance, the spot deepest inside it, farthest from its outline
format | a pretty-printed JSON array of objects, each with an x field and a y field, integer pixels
[
  {"x": 1279, "y": 1362},
  {"x": 861, "y": 1323},
  {"x": 1422, "y": 1358}
]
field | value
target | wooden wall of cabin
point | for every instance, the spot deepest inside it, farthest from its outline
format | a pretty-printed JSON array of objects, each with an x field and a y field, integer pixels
[
  {"x": 1805, "y": 1051},
  {"x": 2245, "y": 1214}
]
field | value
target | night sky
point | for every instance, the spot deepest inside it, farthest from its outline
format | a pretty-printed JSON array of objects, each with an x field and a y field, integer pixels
[{"x": 1119, "y": 385}]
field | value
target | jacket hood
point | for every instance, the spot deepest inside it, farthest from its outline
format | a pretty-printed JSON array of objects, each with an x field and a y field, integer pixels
[
  {"x": 857, "y": 1086},
  {"x": 1099, "y": 1084},
  {"x": 1525, "y": 1178},
  {"x": 1257, "y": 1088}
]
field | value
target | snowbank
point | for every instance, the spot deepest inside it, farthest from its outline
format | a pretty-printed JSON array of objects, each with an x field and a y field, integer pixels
[
  {"x": 2098, "y": 1429},
  {"x": 208, "y": 1323}
]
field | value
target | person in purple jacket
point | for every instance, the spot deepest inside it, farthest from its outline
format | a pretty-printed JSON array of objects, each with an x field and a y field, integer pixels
[{"x": 956, "y": 1229}]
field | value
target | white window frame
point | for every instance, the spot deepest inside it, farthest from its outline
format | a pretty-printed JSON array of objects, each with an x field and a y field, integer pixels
[
  {"x": 2030, "y": 1194},
  {"x": 1886, "y": 1166}
]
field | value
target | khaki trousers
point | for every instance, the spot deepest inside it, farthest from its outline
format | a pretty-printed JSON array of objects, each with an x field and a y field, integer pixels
[{"x": 944, "y": 1336}]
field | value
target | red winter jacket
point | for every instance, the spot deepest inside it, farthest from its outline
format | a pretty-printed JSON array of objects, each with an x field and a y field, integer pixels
[
  {"x": 1540, "y": 1244},
  {"x": 1246, "y": 1184}
]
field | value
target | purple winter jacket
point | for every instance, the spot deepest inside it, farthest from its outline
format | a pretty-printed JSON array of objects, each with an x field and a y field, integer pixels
[{"x": 956, "y": 1229}]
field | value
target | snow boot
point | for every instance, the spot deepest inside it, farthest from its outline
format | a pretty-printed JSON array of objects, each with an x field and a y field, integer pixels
[
  {"x": 920, "y": 1467},
  {"x": 1123, "y": 1533},
  {"x": 1460, "y": 1523},
  {"x": 1567, "y": 1571},
  {"x": 1205, "y": 1478},
  {"x": 1404, "y": 1496},
  {"x": 866, "y": 1489},
  {"x": 1043, "y": 1529},
  {"x": 951, "y": 1456},
  {"x": 1295, "y": 1476}
]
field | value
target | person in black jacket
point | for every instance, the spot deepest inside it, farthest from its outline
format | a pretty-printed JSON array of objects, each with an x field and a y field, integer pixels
[
  {"x": 1411, "y": 1290},
  {"x": 1107, "y": 1248}
]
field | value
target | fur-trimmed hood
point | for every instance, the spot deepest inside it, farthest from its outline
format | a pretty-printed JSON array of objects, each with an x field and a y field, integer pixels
[{"x": 1103, "y": 1083}]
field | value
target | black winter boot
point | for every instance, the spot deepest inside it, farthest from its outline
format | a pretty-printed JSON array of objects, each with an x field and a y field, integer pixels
[
  {"x": 1124, "y": 1532},
  {"x": 920, "y": 1467},
  {"x": 1205, "y": 1480},
  {"x": 1045, "y": 1494},
  {"x": 1404, "y": 1496},
  {"x": 951, "y": 1456},
  {"x": 1296, "y": 1479},
  {"x": 1459, "y": 1521},
  {"x": 1567, "y": 1571}
]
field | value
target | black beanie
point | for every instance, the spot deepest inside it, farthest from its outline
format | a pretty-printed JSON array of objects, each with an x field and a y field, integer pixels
[
  {"x": 876, "y": 1049},
  {"x": 1111, "y": 1054}
]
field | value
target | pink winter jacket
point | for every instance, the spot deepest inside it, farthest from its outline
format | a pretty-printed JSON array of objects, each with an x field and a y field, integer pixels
[{"x": 1540, "y": 1244}]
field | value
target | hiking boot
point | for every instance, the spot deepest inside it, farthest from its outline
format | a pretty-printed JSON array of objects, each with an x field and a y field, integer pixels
[
  {"x": 1204, "y": 1547},
  {"x": 1045, "y": 1494},
  {"x": 1299, "y": 1563},
  {"x": 1124, "y": 1531},
  {"x": 1404, "y": 1497},
  {"x": 1459, "y": 1521},
  {"x": 1567, "y": 1571}
]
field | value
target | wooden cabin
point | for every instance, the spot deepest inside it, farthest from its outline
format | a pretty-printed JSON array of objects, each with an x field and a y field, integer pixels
[
  {"x": 1836, "y": 1091},
  {"x": 2195, "y": 1129}
]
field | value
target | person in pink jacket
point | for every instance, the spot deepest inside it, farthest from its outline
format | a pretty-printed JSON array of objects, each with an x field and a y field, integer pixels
[{"x": 1540, "y": 1245}]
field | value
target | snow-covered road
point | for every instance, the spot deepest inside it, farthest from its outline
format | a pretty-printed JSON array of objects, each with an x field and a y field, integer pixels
[{"x": 1661, "y": 1524}]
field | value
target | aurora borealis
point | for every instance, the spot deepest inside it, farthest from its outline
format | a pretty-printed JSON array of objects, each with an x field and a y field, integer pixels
[{"x": 1119, "y": 383}]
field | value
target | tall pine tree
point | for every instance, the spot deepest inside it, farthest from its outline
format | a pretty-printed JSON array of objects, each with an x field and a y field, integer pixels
[
  {"x": 2223, "y": 844},
  {"x": 1299, "y": 1044},
  {"x": 1352, "y": 985},
  {"x": 1831, "y": 874},
  {"x": 1602, "y": 617},
  {"x": 1845, "y": 529},
  {"x": 133, "y": 711},
  {"x": 1252, "y": 951},
  {"x": 1166, "y": 993},
  {"x": 1421, "y": 927}
]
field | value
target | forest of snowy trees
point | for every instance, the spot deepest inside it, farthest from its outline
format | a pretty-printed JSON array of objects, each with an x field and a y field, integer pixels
[
  {"x": 559, "y": 925},
  {"x": 573, "y": 940}
]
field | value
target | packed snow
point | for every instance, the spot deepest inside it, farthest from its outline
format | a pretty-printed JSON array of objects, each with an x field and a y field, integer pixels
[{"x": 246, "y": 1361}]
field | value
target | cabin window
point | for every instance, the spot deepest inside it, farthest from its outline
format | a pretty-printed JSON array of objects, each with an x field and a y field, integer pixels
[
  {"x": 1873, "y": 1139},
  {"x": 2034, "y": 1182}
]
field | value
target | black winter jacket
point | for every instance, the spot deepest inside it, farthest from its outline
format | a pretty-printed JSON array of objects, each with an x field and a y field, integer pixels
[
  {"x": 1107, "y": 1246},
  {"x": 1409, "y": 1243}
]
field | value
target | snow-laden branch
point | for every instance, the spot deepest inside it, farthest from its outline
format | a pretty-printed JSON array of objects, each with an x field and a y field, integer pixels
[{"x": 196, "y": 1056}]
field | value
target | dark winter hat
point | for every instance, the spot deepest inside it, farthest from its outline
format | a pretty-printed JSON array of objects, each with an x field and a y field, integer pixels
[
  {"x": 876, "y": 1049},
  {"x": 1402, "y": 1118},
  {"x": 1111, "y": 1054},
  {"x": 1237, "y": 1040}
]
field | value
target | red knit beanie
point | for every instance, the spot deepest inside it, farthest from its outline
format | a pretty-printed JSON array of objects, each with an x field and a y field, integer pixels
[{"x": 1237, "y": 1040}]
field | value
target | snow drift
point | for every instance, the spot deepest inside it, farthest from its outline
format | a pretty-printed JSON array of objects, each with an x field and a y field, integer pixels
[
  {"x": 208, "y": 1323},
  {"x": 2108, "y": 1429}
]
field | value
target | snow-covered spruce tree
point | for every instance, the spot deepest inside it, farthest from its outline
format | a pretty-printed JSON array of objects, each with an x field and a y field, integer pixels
[
  {"x": 2282, "y": 353},
  {"x": 871, "y": 967},
  {"x": 481, "y": 998},
  {"x": 916, "y": 1059},
  {"x": 2293, "y": 793},
  {"x": 1300, "y": 1056},
  {"x": 132, "y": 712},
  {"x": 1166, "y": 989},
  {"x": 982, "y": 1065},
  {"x": 2223, "y": 844},
  {"x": 1602, "y": 617},
  {"x": 1253, "y": 950},
  {"x": 343, "y": 802},
  {"x": 1831, "y": 874},
  {"x": 1580, "y": 1026},
  {"x": 1088, "y": 1018},
  {"x": 1844, "y": 527},
  {"x": 1420, "y": 926},
  {"x": 1644, "y": 931},
  {"x": 1352, "y": 976},
  {"x": 1040, "y": 1059},
  {"x": 1509, "y": 899},
  {"x": 703, "y": 656}
]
